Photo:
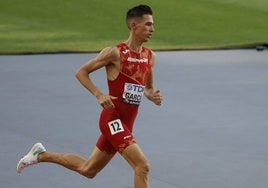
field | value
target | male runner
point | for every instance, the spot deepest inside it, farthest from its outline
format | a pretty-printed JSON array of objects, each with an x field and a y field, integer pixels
[{"x": 129, "y": 68}]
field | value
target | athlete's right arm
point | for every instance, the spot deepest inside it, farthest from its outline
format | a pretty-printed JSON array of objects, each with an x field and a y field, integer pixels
[{"x": 106, "y": 57}]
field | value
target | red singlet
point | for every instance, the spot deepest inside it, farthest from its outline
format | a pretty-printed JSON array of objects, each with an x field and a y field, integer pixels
[{"x": 116, "y": 124}]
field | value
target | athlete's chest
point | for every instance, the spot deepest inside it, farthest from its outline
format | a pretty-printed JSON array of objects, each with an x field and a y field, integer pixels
[{"x": 135, "y": 65}]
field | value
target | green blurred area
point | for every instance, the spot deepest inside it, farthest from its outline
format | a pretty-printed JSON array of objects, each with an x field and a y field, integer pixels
[{"x": 51, "y": 26}]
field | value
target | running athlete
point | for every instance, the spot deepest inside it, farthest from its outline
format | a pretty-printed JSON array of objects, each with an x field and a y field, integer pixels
[{"x": 129, "y": 68}]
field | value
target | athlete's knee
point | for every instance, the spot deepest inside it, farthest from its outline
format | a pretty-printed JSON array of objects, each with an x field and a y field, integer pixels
[
  {"x": 87, "y": 172},
  {"x": 142, "y": 169}
]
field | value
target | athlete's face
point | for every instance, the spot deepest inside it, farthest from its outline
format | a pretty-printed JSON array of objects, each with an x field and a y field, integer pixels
[{"x": 144, "y": 27}]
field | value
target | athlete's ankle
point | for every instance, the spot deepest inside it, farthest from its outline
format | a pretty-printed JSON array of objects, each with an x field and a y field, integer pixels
[{"x": 40, "y": 157}]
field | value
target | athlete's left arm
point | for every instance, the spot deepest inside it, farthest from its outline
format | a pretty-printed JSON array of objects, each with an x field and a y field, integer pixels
[{"x": 150, "y": 92}]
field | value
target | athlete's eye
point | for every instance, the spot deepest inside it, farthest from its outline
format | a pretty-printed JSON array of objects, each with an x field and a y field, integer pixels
[{"x": 149, "y": 23}]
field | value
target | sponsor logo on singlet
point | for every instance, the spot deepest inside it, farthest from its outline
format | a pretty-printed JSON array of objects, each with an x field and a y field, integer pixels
[
  {"x": 133, "y": 93},
  {"x": 135, "y": 60}
]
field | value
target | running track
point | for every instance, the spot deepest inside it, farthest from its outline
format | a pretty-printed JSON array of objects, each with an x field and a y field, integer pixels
[{"x": 211, "y": 131}]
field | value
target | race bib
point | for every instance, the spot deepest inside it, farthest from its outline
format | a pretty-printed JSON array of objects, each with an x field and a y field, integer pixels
[
  {"x": 133, "y": 93},
  {"x": 115, "y": 126}
]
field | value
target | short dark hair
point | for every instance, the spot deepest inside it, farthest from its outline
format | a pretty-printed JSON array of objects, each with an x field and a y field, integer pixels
[{"x": 138, "y": 12}]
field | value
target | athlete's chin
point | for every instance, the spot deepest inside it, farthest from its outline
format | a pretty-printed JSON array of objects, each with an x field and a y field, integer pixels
[{"x": 146, "y": 40}]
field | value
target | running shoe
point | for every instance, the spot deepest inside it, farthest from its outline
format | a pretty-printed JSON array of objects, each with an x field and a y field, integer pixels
[{"x": 31, "y": 157}]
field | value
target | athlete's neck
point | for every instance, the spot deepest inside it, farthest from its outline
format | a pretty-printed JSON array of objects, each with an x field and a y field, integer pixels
[{"x": 134, "y": 45}]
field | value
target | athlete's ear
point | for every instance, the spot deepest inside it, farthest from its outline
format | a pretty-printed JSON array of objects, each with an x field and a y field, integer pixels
[{"x": 133, "y": 25}]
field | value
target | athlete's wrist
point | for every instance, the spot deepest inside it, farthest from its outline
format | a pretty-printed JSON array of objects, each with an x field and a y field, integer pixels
[
  {"x": 98, "y": 95},
  {"x": 149, "y": 94}
]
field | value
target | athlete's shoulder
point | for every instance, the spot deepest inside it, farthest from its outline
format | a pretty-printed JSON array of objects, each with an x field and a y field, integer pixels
[
  {"x": 148, "y": 51},
  {"x": 111, "y": 53},
  {"x": 111, "y": 50},
  {"x": 151, "y": 56}
]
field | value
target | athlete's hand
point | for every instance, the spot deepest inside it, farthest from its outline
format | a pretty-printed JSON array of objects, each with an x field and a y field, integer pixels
[
  {"x": 157, "y": 97},
  {"x": 106, "y": 101}
]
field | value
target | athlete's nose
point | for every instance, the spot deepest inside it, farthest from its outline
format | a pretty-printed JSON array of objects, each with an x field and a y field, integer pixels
[{"x": 152, "y": 29}]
